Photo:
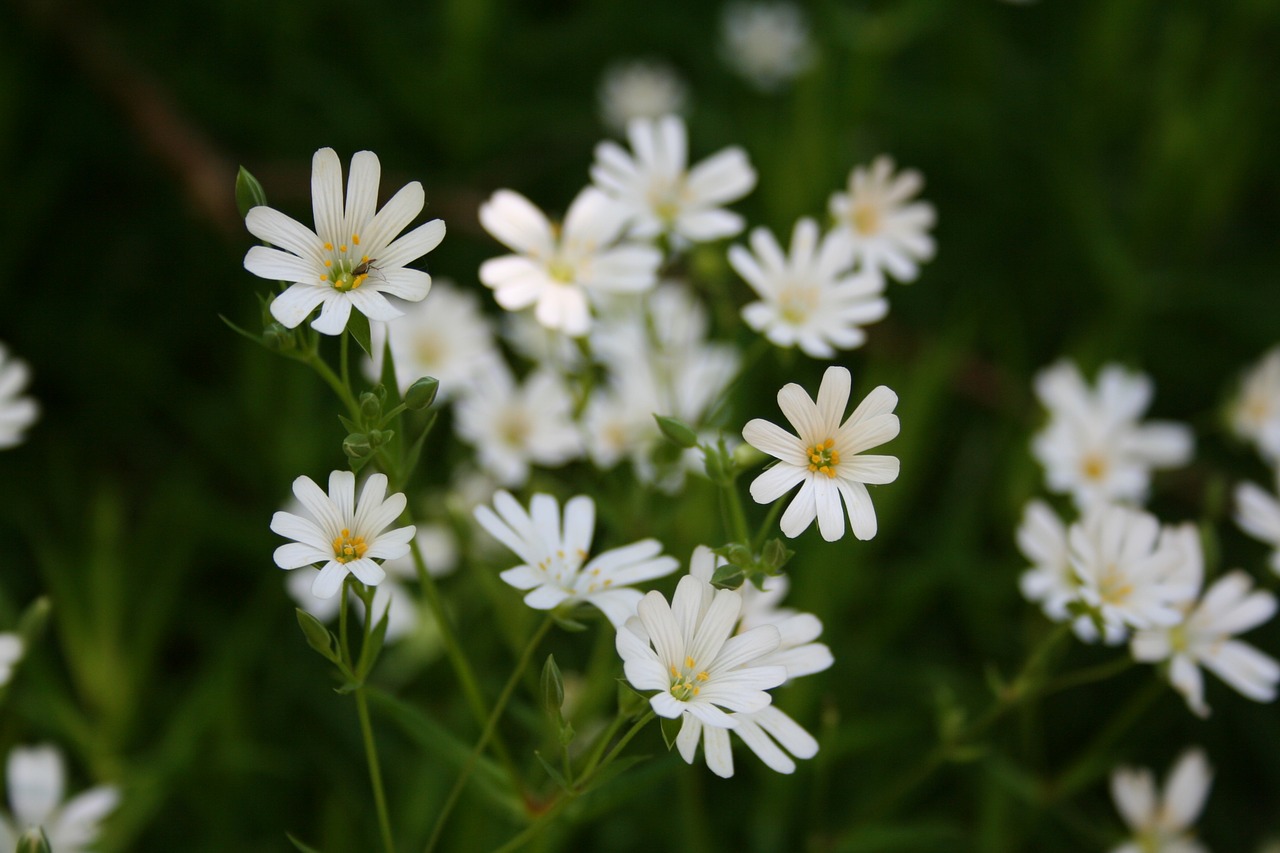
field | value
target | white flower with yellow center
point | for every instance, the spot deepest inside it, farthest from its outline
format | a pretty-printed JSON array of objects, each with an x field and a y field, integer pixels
[
  {"x": 1163, "y": 824},
  {"x": 768, "y": 44},
  {"x": 639, "y": 89},
  {"x": 346, "y": 536},
  {"x": 558, "y": 568},
  {"x": 1255, "y": 414},
  {"x": 890, "y": 232},
  {"x": 36, "y": 780},
  {"x": 1258, "y": 514},
  {"x": 554, "y": 269},
  {"x": 660, "y": 194},
  {"x": 810, "y": 299},
  {"x": 686, "y": 651},
  {"x": 512, "y": 426},
  {"x": 826, "y": 457},
  {"x": 1051, "y": 581},
  {"x": 353, "y": 259},
  {"x": 1093, "y": 446},
  {"x": 16, "y": 412},
  {"x": 1131, "y": 573}
]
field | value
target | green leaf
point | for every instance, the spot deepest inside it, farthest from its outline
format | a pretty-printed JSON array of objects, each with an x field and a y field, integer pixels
[
  {"x": 670, "y": 730},
  {"x": 358, "y": 327},
  {"x": 318, "y": 637},
  {"x": 415, "y": 449},
  {"x": 249, "y": 192},
  {"x": 555, "y": 774},
  {"x": 372, "y": 646},
  {"x": 299, "y": 845},
  {"x": 676, "y": 431}
]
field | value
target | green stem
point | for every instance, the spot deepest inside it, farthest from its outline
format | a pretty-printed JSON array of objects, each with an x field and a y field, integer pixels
[
  {"x": 344, "y": 352},
  {"x": 763, "y": 532},
  {"x": 736, "y": 516},
  {"x": 490, "y": 727},
  {"x": 1088, "y": 675},
  {"x": 375, "y": 773},
  {"x": 601, "y": 744},
  {"x": 341, "y": 388}
]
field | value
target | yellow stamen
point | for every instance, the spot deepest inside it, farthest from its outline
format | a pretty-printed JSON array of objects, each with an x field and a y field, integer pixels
[
  {"x": 355, "y": 238},
  {"x": 328, "y": 247}
]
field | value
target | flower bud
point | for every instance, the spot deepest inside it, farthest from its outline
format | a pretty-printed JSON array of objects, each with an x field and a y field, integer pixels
[
  {"x": 357, "y": 445},
  {"x": 676, "y": 431},
  {"x": 370, "y": 407},
  {"x": 421, "y": 393},
  {"x": 249, "y": 193},
  {"x": 33, "y": 841},
  {"x": 276, "y": 337}
]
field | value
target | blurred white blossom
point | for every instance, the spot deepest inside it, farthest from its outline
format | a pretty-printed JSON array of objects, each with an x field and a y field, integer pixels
[
  {"x": 1258, "y": 514},
  {"x": 1255, "y": 413},
  {"x": 639, "y": 88},
  {"x": 1163, "y": 823},
  {"x": 36, "y": 781},
  {"x": 890, "y": 232},
  {"x": 16, "y": 412},
  {"x": 766, "y": 43}
]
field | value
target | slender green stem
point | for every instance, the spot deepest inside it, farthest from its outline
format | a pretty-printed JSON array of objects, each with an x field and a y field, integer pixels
[
  {"x": 602, "y": 743},
  {"x": 375, "y": 772},
  {"x": 331, "y": 379},
  {"x": 763, "y": 532},
  {"x": 1088, "y": 675},
  {"x": 735, "y": 518},
  {"x": 490, "y": 727},
  {"x": 344, "y": 353}
]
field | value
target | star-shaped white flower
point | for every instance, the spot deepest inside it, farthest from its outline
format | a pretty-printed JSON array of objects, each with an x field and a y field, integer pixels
[
  {"x": 686, "y": 651},
  {"x": 1255, "y": 414},
  {"x": 555, "y": 269},
  {"x": 1205, "y": 638},
  {"x": 1258, "y": 514},
  {"x": 1093, "y": 446},
  {"x": 661, "y": 194},
  {"x": 346, "y": 536},
  {"x": 1163, "y": 824},
  {"x": 36, "y": 781},
  {"x": 811, "y": 299},
  {"x": 353, "y": 259},
  {"x": 16, "y": 412},
  {"x": 826, "y": 456},
  {"x": 890, "y": 232},
  {"x": 558, "y": 567}
]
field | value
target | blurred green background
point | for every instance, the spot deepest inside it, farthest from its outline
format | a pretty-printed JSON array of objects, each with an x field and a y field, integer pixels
[{"x": 1106, "y": 185}]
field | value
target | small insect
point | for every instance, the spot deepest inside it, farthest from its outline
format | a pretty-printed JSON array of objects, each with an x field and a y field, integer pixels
[{"x": 364, "y": 268}]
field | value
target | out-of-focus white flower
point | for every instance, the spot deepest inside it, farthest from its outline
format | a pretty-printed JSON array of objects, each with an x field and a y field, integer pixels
[
  {"x": 353, "y": 258},
  {"x": 512, "y": 426},
  {"x": 348, "y": 537},
  {"x": 1163, "y": 824},
  {"x": 1205, "y": 638},
  {"x": 445, "y": 336},
  {"x": 36, "y": 781},
  {"x": 1051, "y": 581},
  {"x": 554, "y": 269},
  {"x": 661, "y": 194},
  {"x": 1258, "y": 514},
  {"x": 825, "y": 457},
  {"x": 645, "y": 89},
  {"x": 11, "y": 651},
  {"x": 810, "y": 299},
  {"x": 16, "y": 412},
  {"x": 1093, "y": 446},
  {"x": 890, "y": 232},
  {"x": 1131, "y": 573},
  {"x": 767, "y": 44},
  {"x": 1255, "y": 414},
  {"x": 556, "y": 568},
  {"x": 687, "y": 652}
]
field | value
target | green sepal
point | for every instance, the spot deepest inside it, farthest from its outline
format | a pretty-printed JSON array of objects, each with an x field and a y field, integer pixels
[
  {"x": 304, "y": 848},
  {"x": 33, "y": 841},
  {"x": 555, "y": 774},
  {"x": 676, "y": 431},
  {"x": 552, "y": 688},
  {"x": 318, "y": 637},
  {"x": 244, "y": 333},
  {"x": 670, "y": 729},
  {"x": 775, "y": 555},
  {"x": 249, "y": 192},
  {"x": 348, "y": 687},
  {"x": 348, "y": 424},
  {"x": 357, "y": 445},
  {"x": 372, "y": 646},
  {"x": 568, "y": 623},
  {"x": 358, "y": 326},
  {"x": 737, "y": 554}
]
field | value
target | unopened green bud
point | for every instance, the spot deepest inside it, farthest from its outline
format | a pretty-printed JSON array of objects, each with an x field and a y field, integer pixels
[
  {"x": 357, "y": 445},
  {"x": 552, "y": 687},
  {"x": 421, "y": 394},
  {"x": 33, "y": 841},
  {"x": 677, "y": 432},
  {"x": 249, "y": 193},
  {"x": 379, "y": 437},
  {"x": 370, "y": 407},
  {"x": 746, "y": 456},
  {"x": 277, "y": 337}
]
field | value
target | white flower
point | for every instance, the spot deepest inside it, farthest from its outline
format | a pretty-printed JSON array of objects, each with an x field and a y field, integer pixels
[
  {"x": 1131, "y": 574},
  {"x": 344, "y": 535},
  {"x": 686, "y": 653},
  {"x": 1258, "y": 514},
  {"x": 661, "y": 195},
  {"x": 1093, "y": 446},
  {"x": 766, "y": 43},
  {"x": 889, "y": 234},
  {"x": 1162, "y": 824},
  {"x": 639, "y": 89},
  {"x": 16, "y": 412},
  {"x": 555, "y": 269},
  {"x": 512, "y": 426},
  {"x": 1255, "y": 414},
  {"x": 36, "y": 781},
  {"x": 556, "y": 568},
  {"x": 353, "y": 258},
  {"x": 1051, "y": 581},
  {"x": 1231, "y": 606},
  {"x": 810, "y": 299},
  {"x": 445, "y": 336},
  {"x": 826, "y": 458},
  {"x": 11, "y": 651}
]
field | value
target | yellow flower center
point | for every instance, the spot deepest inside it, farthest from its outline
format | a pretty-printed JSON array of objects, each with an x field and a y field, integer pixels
[
  {"x": 823, "y": 458},
  {"x": 1094, "y": 466},
  {"x": 347, "y": 547},
  {"x": 866, "y": 218},
  {"x": 796, "y": 302},
  {"x": 345, "y": 273},
  {"x": 685, "y": 682},
  {"x": 560, "y": 270},
  {"x": 1113, "y": 587}
]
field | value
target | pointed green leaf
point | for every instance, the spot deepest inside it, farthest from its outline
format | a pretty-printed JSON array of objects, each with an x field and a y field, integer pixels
[
  {"x": 249, "y": 192},
  {"x": 318, "y": 636},
  {"x": 552, "y": 688},
  {"x": 358, "y": 327},
  {"x": 555, "y": 774},
  {"x": 415, "y": 449}
]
